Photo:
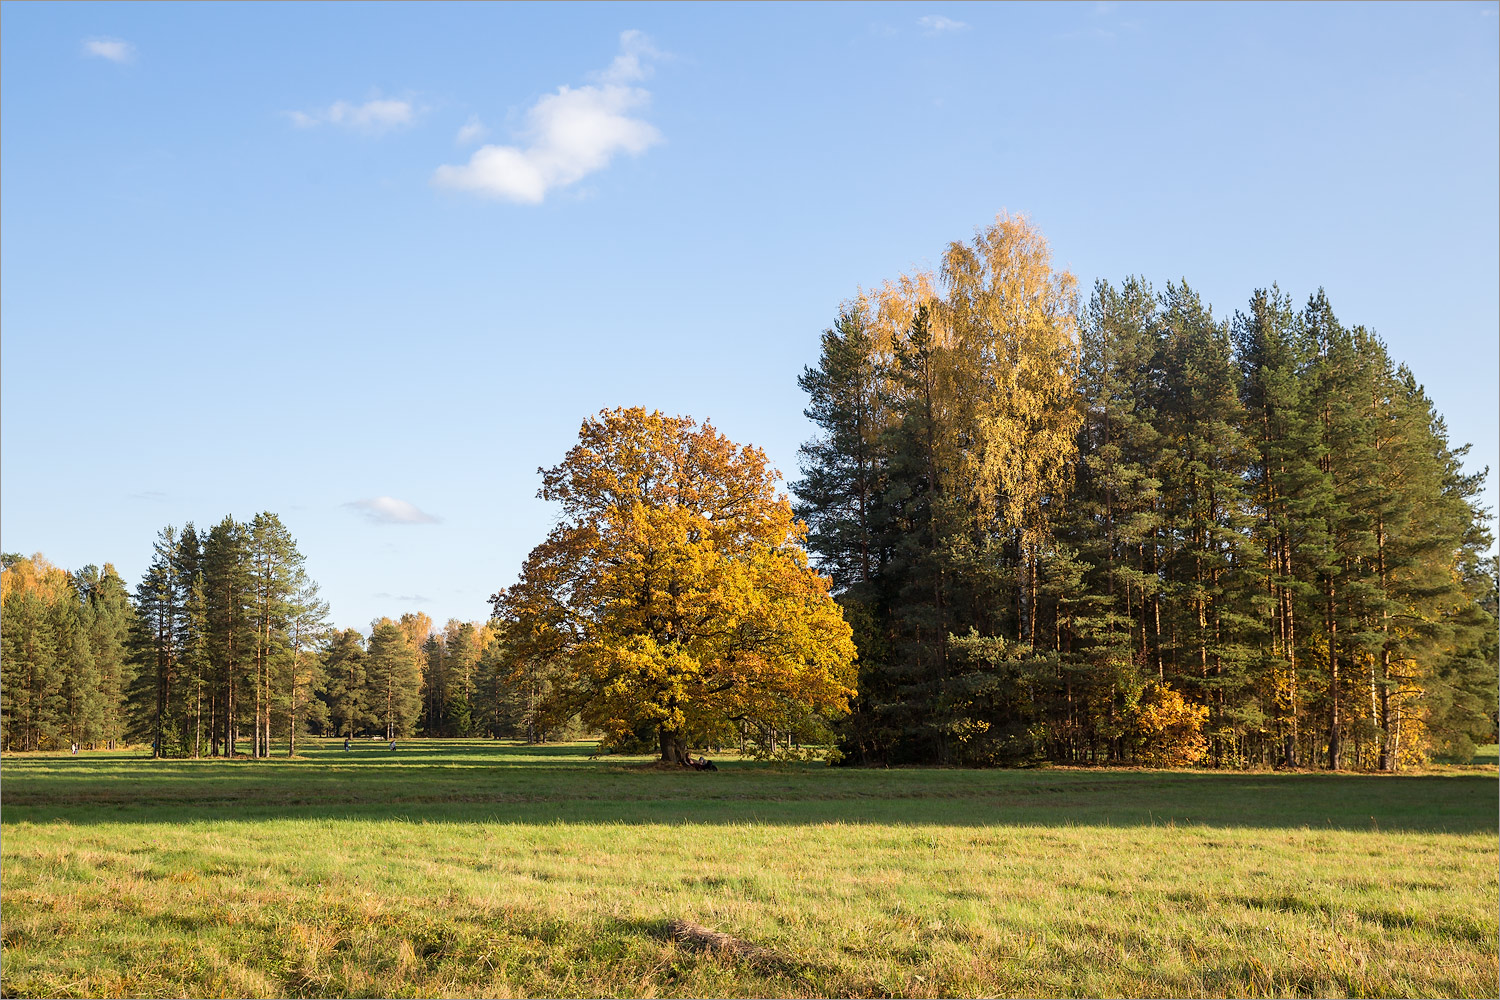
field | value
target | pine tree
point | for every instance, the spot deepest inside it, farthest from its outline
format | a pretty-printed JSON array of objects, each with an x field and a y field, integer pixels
[
  {"x": 495, "y": 708},
  {"x": 464, "y": 644},
  {"x": 347, "y": 686},
  {"x": 1439, "y": 683},
  {"x": 904, "y": 692},
  {"x": 304, "y": 677},
  {"x": 196, "y": 665},
  {"x": 843, "y": 468},
  {"x": 79, "y": 668},
  {"x": 434, "y": 657},
  {"x": 1286, "y": 489},
  {"x": 1202, "y": 471},
  {"x": 159, "y": 602},
  {"x": 231, "y": 638},
  {"x": 393, "y": 679},
  {"x": 109, "y": 621},
  {"x": 275, "y": 570},
  {"x": 1115, "y": 518}
]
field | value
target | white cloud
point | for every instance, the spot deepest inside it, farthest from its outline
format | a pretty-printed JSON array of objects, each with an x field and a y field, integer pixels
[
  {"x": 568, "y": 135},
  {"x": 937, "y": 24},
  {"x": 404, "y": 598},
  {"x": 471, "y": 132},
  {"x": 389, "y": 510},
  {"x": 629, "y": 66},
  {"x": 112, "y": 49},
  {"x": 373, "y": 116}
]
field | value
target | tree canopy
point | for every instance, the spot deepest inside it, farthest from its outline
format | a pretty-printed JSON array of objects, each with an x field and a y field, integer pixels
[
  {"x": 1134, "y": 531},
  {"x": 674, "y": 597}
]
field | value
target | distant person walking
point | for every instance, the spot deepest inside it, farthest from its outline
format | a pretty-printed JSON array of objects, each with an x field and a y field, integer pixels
[
  {"x": 75, "y": 749},
  {"x": 346, "y": 743},
  {"x": 393, "y": 744}
]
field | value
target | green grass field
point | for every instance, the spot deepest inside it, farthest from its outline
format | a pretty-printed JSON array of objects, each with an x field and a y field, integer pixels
[{"x": 480, "y": 869}]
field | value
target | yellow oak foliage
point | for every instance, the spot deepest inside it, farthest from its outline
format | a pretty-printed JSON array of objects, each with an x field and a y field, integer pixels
[{"x": 674, "y": 593}]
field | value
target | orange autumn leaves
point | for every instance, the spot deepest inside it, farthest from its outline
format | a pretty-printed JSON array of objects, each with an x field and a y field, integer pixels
[{"x": 674, "y": 593}]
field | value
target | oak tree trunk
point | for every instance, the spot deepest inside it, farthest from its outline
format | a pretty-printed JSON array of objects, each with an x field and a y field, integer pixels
[{"x": 673, "y": 747}]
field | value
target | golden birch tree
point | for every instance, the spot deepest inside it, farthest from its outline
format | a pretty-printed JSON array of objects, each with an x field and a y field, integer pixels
[{"x": 1009, "y": 321}]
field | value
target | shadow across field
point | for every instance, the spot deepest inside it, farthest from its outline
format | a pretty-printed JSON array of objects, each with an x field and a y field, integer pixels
[{"x": 457, "y": 781}]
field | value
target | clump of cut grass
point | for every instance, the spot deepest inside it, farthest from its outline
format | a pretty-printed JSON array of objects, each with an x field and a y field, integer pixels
[{"x": 701, "y": 937}]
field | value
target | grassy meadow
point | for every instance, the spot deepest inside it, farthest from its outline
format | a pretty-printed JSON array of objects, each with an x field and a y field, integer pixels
[{"x": 464, "y": 868}]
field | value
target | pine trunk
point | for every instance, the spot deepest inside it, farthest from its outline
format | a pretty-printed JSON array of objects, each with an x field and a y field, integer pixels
[{"x": 1335, "y": 723}]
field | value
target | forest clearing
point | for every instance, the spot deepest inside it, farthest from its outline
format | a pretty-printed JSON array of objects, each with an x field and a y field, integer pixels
[{"x": 480, "y": 868}]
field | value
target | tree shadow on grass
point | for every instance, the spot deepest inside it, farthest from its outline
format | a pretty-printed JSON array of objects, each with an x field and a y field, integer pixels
[{"x": 457, "y": 781}]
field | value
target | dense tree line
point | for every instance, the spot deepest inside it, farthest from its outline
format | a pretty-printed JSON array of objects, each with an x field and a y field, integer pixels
[
  {"x": 1132, "y": 531},
  {"x": 409, "y": 678},
  {"x": 67, "y": 665},
  {"x": 224, "y": 649}
]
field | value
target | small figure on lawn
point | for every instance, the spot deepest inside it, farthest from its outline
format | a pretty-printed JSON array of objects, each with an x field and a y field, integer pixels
[
  {"x": 346, "y": 743},
  {"x": 704, "y": 764},
  {"x": 393, "y": 744}
]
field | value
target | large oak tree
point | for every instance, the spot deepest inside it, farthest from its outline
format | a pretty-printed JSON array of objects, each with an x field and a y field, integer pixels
[{"x": 674, "y": 592}]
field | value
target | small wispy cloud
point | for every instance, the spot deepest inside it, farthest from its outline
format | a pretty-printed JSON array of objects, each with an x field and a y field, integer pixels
[
  {"x": 937, "y": 24},
  {"x": 155, "y": 496},
  {"x": 569, "y": 134},
  {"x": 372, "y": 117},
  {"x": 404, "y": 598},
  {"x": 470, "y": 132},
  {"x": 113, "y": 49},
  {"x": 630, "y": 65},
  {"x": 389, "y": 510}
]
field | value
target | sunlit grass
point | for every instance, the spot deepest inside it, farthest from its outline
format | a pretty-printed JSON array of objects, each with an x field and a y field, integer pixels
[{"x": 452, "y": 868}]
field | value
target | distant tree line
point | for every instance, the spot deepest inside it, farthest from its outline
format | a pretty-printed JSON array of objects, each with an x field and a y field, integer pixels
[
  {"x": 409, "y": 678},
  {"x": 64, "y": 647},
  {"x": 1134, "y": 532},
  {"x": 225, "y": 649}
]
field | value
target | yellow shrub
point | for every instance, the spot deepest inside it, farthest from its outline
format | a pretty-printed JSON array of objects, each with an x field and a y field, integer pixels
[{"x": 1168, "y": 728}]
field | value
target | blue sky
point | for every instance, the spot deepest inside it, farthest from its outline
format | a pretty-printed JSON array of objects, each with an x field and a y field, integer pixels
[{"x": 370, "y": 266}]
